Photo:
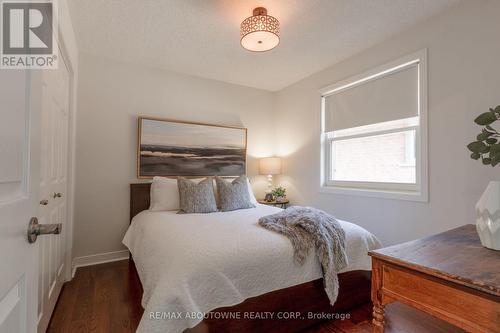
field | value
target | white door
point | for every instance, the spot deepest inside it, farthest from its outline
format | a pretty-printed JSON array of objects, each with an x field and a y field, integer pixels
[
  {"x": 53, "y": 188},
  {"x": 19, "y": 183}
]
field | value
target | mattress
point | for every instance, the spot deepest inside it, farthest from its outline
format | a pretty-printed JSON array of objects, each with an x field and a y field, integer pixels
[{"x": 190, "y": 264}]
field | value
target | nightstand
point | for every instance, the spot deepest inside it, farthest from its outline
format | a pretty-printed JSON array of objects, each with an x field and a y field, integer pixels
[{"x": 281, "y": 204}]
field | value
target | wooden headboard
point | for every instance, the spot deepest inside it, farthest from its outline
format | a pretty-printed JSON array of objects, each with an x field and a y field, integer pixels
[{"x": 139, "y": 198}]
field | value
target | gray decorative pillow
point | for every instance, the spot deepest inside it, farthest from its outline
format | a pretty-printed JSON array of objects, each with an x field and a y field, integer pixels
[
  {"x": 196, "y": 197},
  {"x": 233, "y": 195}
]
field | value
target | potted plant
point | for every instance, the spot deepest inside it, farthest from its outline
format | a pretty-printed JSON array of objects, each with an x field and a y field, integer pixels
[
  {"x": 487, "y": 148},
  {"x": 279, "y": 194}
]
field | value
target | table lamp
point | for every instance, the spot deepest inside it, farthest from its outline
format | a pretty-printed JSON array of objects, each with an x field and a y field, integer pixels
[{"x": 270, "y": 166}]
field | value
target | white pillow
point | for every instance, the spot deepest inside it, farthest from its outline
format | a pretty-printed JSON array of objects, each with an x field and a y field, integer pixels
[
  {"x": 164, "y": 194},
  {"x": 253, "y": 200}
]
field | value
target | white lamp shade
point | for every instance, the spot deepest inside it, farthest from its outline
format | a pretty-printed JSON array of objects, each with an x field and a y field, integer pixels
[
  {"x": 270, "y": 166},
  {"x": 260, "y": 41}
]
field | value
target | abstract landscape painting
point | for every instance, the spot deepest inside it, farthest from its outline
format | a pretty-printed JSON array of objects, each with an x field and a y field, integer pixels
[{"x": 170, "y": 148}]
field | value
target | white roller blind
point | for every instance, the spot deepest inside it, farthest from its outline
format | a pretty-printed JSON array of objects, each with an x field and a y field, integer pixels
[{"x": 389, "y": 97}]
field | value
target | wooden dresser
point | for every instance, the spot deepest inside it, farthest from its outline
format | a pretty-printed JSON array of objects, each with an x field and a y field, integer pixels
[{"x": 449, "y": 275}]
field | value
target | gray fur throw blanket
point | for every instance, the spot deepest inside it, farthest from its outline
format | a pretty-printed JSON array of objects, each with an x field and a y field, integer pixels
[{"x": 307, "y": 227}]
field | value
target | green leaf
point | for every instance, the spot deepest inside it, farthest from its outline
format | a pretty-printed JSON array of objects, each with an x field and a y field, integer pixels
[
  {"x": 483, "y": 136},
  {"x": 475, "y": 156},
  {"x": 485, "y": 118},
  {"x": 491, "y": 141},
  {"x": 497, "y": 109},
  {"x": 478, "y": 147},
  {"x": 488, "y": 127},
  {"x": 495, "y": 149},
  {"x": 486, "y": 161}
]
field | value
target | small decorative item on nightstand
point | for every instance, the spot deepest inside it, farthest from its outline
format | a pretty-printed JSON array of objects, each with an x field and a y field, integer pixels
[
  {"x": 269, "y": 197},
  {"x": 279, "y": 194}
]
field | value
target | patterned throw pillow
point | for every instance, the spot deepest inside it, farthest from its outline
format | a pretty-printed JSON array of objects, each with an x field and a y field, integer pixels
[
  {"x": 233, "y": 195},
  {"x": 196, "y": 197}
]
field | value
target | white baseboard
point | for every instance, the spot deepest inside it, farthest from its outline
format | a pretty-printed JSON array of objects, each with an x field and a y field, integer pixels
[{"x": 99, "y": 258}]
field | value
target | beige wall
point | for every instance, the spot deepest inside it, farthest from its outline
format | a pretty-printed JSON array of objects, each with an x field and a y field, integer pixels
[
  {"x": 111, "y": 96},
  {"x": 464, "y": 79}
]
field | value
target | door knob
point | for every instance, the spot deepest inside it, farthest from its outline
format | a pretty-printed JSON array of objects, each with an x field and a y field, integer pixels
[
  {"x": 36, "y": 229},
  {"x": 57, "y": 195},
  {"x": 44, "y": 202}
]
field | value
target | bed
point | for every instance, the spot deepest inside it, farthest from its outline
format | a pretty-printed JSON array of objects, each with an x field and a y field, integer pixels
[{"x": 221, "y": 272}]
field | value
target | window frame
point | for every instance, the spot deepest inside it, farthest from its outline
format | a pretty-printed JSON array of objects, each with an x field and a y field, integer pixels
[{"x": 403, "y": 191}]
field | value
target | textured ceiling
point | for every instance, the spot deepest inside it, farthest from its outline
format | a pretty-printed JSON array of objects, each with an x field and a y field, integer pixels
[{"x": 201, "y": 37}]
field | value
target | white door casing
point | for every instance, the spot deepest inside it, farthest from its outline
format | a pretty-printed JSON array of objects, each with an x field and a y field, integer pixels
[
  {"x": 53, "y": 188},
  {"x": 19, "y": 186}
]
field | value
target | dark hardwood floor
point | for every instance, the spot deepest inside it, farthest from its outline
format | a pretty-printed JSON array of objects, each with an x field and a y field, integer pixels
[{"x": 106, "y": 298}]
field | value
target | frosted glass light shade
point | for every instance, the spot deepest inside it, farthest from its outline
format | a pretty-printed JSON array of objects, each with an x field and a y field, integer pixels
[
  {"x": 488, "y": 216},
  {"x": 270, "y": 166},
  {"x": 260, "y": 32}
]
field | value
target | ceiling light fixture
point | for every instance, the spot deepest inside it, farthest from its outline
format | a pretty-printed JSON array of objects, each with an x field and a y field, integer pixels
[{"x": 260, "y": 32}]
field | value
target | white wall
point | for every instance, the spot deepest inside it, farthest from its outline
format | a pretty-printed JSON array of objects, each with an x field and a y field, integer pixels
[
  {"x": 464, "y": 79},
  {"x": 111, "y": 96}
]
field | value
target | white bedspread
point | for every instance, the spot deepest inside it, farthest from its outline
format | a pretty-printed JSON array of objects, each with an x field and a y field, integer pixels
[{"x": 194, "y": 263}]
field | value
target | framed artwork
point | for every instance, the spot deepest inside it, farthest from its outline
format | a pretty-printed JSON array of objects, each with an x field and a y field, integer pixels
[{"x": 175, "y": 148}]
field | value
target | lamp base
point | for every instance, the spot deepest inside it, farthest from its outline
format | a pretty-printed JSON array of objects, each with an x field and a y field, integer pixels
[{"x": 269, "y": 183}]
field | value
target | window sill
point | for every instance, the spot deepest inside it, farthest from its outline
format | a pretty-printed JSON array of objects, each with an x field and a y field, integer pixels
[{"x": 385, "y": 194}]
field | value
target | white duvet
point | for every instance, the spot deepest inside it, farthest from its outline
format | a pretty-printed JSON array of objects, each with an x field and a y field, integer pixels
[{"x": 190, "y": 264}]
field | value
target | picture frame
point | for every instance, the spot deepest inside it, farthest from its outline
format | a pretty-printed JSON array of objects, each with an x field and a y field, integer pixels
[{"x": 172, "y": 148}]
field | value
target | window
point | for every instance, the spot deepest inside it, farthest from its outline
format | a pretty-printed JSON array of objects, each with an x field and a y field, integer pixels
[{"x": 374, "y": 132}]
